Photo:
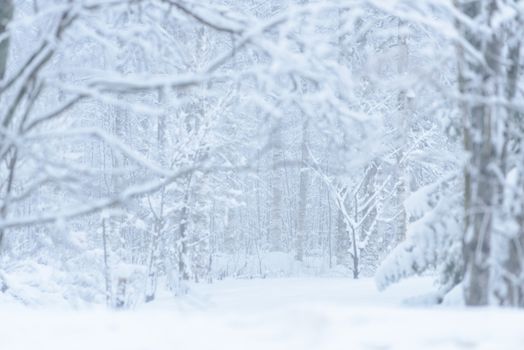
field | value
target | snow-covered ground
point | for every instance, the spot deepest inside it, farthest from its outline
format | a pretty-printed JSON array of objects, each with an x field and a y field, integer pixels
[{"x": 294, "y": 313}]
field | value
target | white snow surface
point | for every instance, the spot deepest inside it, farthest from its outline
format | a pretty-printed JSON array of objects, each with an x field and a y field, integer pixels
[{"x": 290, "y": 313}]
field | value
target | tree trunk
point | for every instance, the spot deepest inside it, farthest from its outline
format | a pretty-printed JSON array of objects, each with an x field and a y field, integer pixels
[
  {"x": 512, "y": 291},
  {"x": 329, "y": 228},
  {"x": 107, "y": 272},
  {"x": 183, "y": 259},
  {"x": 480, "y": 123},
  {"x": 403, "y": 112},
  {"x": 275, "y": 226},
  {"x": 342, "y": 241},
  {"x": 152, "y": 264},
  {"x": 302, "y": 197},
  {"x": 120, "y": 301},
  {"x": 6, "y": 14}
]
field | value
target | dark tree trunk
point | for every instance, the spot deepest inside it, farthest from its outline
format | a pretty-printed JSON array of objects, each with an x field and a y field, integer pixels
[
  {"x": 478, "y": 81},
  {"x": 6, "y": 14}
]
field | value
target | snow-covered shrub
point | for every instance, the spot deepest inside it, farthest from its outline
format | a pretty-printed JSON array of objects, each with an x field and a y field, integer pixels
[
  {"x": 433, "y": 239},
  {"x": 128, "y": 282}
]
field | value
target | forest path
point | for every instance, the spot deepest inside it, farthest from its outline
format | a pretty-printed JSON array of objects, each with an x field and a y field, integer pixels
[
  {"x": 259, "y": 295},
  {"x": 271, "y": 314}
]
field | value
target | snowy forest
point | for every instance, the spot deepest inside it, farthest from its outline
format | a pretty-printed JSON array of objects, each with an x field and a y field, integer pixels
[{"x": 222, "y": 165}]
